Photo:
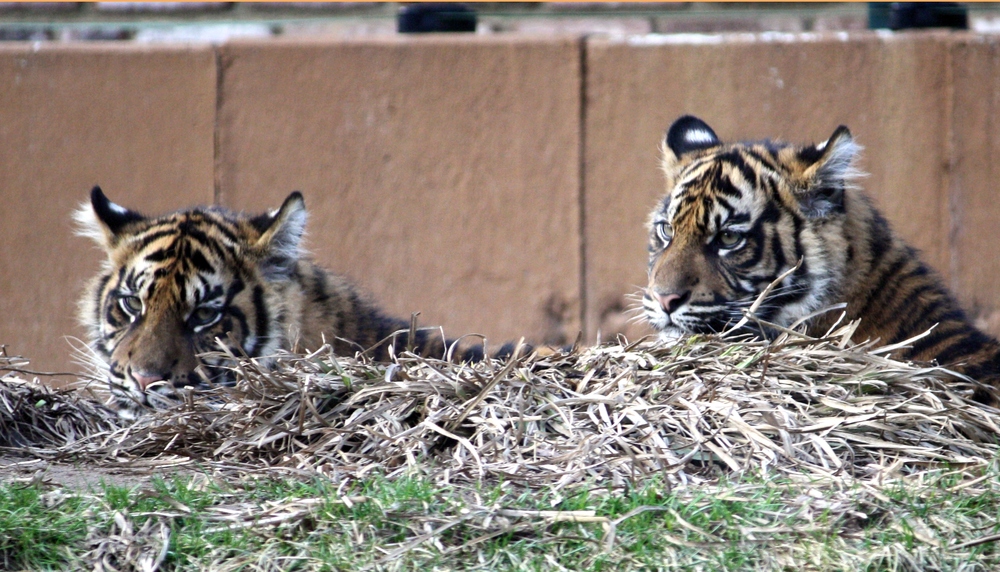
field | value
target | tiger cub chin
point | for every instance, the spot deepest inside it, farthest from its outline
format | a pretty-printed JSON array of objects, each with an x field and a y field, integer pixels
[
  {"x": 737, "y": 216},
  {"x": 174, "y": 284}
]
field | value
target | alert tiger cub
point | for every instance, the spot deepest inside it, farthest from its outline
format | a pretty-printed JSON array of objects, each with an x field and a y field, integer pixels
[
  {"x": 173, "y": 285},
  {"x": 737, "y": 216}
]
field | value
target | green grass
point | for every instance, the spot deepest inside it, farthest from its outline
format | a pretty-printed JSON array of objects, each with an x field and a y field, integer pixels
[
  {"x": 36, "y": 528},
  {"x": 413, "y": 523}
]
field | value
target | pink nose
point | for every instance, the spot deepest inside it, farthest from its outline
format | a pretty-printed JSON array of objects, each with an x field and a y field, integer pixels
[
  {"x": 670, "y": 302},
  {"x": 145, "y": 380}
]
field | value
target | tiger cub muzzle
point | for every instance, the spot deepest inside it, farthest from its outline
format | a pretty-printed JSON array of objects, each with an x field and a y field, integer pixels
[
  {"x": 685, "y": 289},
  {"x": 158, "y": 356}
]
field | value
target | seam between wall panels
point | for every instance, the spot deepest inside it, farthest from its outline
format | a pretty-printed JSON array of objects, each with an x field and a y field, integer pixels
[
  {"x": 948, "y": 184},
  {"x": 216, "y": 128},
  {"x": 582, "y": 189}
]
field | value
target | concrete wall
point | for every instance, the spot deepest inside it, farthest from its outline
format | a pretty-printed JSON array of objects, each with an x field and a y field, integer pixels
[
  {"x": 137, "y": 121},
  {"x": 973, "y": 173},
  {"x": 495, "y": 184},
  {"x": 442, "y": 175}
]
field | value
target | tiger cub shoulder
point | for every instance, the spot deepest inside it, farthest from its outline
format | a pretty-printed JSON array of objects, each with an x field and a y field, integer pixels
[
  {"x": 737, "y": 216},
  {"x": 173, "y": 286}
]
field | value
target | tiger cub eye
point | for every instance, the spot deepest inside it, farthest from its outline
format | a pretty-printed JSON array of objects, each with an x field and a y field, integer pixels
[
  {"x": 729, "y": 239},
  {"x": 204, "y": 316},
  {"x": 664, "y": 232},
  {"x": 131, "y": 305}
]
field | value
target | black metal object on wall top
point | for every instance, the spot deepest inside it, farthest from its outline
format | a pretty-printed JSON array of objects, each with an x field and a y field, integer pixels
[
  {"x": 914, "y": 15},
  {"x": 435, "y": 17}
]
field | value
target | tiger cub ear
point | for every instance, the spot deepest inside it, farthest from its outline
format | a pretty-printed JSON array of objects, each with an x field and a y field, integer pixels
[
  {"x": 103, "y": 220},
  {"x": 830, "y": 170},
  {"x": 687, "y": 134},
  {"x": 282, "y": 229}
]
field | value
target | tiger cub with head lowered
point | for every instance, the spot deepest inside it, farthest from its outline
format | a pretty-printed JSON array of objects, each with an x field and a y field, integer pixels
[
  {"x": 737, "y": 216},
  {"x": 174, "y": 284}
]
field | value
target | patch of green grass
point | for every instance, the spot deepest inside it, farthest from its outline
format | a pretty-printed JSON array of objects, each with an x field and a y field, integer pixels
[
  {"x": 414, "y": 523},
  {"x": 36, "y": 527}
]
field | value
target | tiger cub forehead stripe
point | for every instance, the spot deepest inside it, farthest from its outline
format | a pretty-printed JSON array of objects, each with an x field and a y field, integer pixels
[{"x": 767, "y": 209}]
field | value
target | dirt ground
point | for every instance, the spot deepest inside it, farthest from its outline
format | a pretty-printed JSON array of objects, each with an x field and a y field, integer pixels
[{"x": 82, "y": 476}]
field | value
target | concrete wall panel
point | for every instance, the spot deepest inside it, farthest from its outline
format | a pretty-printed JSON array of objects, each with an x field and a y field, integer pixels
[
  {"x": 890, "y": 90},
  {"x": 442, "y": 174},
  {"x": 137, "y": 121},
  {"x": 974, "y": 178}
]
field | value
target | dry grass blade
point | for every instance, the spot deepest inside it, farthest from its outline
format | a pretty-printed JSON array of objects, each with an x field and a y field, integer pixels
[
  {"x": 34, "y": 415},
  {"x": 805, "y": 408},
  {"x": 125, "y": 549}
]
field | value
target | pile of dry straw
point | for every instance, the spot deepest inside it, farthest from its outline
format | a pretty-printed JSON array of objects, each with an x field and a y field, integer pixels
[{"x": 802, "y": 407}]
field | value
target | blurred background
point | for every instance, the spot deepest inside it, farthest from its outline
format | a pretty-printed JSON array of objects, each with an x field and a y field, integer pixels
[{"x": 490, "y": 166}]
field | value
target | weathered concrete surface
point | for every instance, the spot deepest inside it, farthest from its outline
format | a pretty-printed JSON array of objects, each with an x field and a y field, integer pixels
[
  {"x": 139, "y": 122},
  {"x": 891, "y": 90},
  {"x": 975, "y": 178},
  {"x": 442, "y": 174}
]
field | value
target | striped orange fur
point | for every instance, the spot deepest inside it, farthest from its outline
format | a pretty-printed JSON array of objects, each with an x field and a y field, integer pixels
[
  {"x": 174, "y": 286},
  {"x": 737, "y": 216}
]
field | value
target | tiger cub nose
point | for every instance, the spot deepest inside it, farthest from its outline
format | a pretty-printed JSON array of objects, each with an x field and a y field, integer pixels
[
  {"x": 145, "y": 379},
  {"x": 670, "y": 302}
]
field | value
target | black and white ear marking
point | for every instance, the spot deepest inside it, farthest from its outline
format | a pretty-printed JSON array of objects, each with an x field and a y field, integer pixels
[
  {"x": 830, "y": 174},
  {"x": 115, "y": 217},
  {"x": 103, "y": 220},
  {"x": 282, "y": 229},
  {"x": 690, "y": 134}
]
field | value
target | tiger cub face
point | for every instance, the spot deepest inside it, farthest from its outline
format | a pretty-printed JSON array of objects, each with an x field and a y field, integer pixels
[
  {"x": 738, "y": 216},
  {"x": 173, "y": 285}
]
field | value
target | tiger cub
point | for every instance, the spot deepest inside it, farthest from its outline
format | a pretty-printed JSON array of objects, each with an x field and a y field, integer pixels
[
  {"x": 174, "y": 284},
  {"x": 737, "y": 216}
]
